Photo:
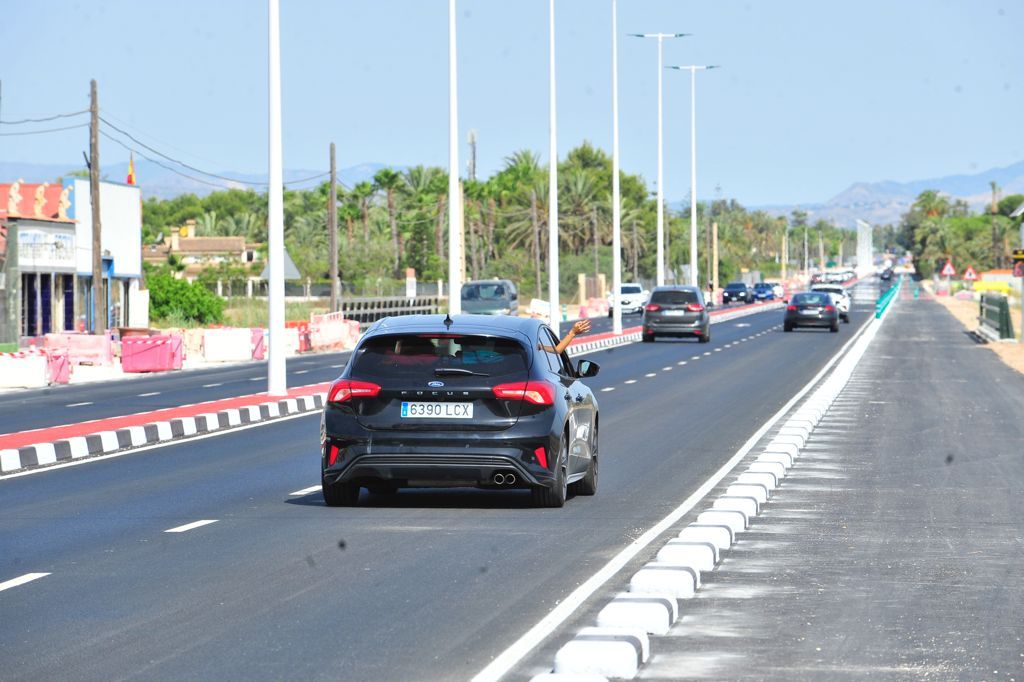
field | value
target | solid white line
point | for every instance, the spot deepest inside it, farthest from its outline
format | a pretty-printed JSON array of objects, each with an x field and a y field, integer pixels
[
  {"x": 79, "y": 404},
  {"x": 21, "y": 580},
  {"x": 212, "y": 385},
  {"x": 507, "y": 659},
  {"x": 306, "y": 491},
  {"x": 147, "y": 395},
  {"x": 190, "y": 526}
]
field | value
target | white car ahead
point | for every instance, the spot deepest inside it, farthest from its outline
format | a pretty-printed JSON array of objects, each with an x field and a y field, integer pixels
[
  {"x": 631, "y": 297},
  {"x": 839, "y": 295}
]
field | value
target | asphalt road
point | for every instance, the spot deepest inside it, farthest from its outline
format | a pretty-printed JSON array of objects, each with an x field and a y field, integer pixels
[{"x": 420, "y": 585}]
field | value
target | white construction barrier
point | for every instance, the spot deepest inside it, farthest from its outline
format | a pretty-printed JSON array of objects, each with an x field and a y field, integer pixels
[
  {"x": 23, "y": 370},
  {"x": 227, "y": 345}
]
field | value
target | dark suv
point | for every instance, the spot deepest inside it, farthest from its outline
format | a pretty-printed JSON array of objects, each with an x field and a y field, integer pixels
[
  {"x": 737, "y": 292},
  {"x": 676, "y": 311},
  {"x": 434, "y": 401}
]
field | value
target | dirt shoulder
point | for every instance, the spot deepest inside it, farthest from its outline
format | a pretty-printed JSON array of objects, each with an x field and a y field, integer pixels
[{"x": 967, "y": 313}]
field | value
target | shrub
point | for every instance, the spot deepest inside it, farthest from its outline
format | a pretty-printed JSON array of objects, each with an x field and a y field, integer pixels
[{"x": 176, "y": 298}]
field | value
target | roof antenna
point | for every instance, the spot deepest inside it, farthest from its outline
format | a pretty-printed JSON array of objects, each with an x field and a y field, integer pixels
[{"x": 448, "y": 321}]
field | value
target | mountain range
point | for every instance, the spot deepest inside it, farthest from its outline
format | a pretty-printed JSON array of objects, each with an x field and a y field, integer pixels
[{"x": 876, "y": 202}]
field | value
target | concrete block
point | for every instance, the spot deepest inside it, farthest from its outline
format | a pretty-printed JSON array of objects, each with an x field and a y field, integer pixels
[
  {"x": 568, "y": 677},
  {"x": 46, "y": 454},
  {"x": 658, "y": 577},
  {"x": 735, "y": 520},
  {"x": 758, "y": 492},
  {"x": 767, "y": 480},
  {"x": 702, "y": 556},
  {"x": 79, "y": 447},
  {"x": 609, "y": 652},
  {"x": 227, "y": 345},
  {"x": 789, "y": 430},
  {"x": 720, "y": 536},
  {"x": 774, "y": 468},
  {"x": 10, "y": 460},
  {"x": 789, "y": 439},
  {"x": 776, "y": 457},
  {"x": 746, "y": 505},
  {"x": 785, "y": 448},
  {"x": 109, "y": 441},
  {"x": 163, "y": 431},
  {"x": 652, "y": 613}
]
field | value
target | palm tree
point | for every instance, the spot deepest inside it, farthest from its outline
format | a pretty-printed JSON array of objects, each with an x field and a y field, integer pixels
[
  {"x": 362, "y": 193},
  {"x": 207, "y": 225},
  {"x": 390, "y": 180}
]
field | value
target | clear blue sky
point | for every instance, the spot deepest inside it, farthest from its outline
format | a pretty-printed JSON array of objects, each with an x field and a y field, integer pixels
[{"x": 813, "y": 95}]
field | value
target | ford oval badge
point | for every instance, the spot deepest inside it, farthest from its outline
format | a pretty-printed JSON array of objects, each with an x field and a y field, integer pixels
[{"x": 435, "y": 384}]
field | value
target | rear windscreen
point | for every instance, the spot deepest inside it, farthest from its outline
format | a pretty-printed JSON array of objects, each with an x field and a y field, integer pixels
[
  {"x": 812, "y": 299},
  {"x": 430, "y": 356},
  {"x": 681, "y": 297},
  {"x": 485, "y": 292},
  {"x": 631, "y": 290},
  {"x": 735, "y": 287}
]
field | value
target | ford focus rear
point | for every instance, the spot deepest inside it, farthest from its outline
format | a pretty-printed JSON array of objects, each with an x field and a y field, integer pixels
[{"x": 427, "y": 401}]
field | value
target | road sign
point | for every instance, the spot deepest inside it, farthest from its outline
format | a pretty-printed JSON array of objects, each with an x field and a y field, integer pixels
[
  {"x": 970, "y": 275},
  {"x": 948, "y": 270}
]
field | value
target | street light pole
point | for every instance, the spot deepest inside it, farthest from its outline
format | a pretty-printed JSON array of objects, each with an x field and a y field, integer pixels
[
  {"x": 616, "y": 199},
  {"x": 553, "y": 283},
  {"x": 661, "y": 191},
  {"x": 454, "y": 194},
  {"x": 277, "y": 380},
  {"x": 693, "y": 69}
]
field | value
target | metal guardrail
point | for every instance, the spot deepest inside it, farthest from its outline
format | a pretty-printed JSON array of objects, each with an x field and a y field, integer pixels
[
  {"x": 883, "y": 302},
  {"x": 994, "y": 319},
  {"x": 368, "y": 310}
]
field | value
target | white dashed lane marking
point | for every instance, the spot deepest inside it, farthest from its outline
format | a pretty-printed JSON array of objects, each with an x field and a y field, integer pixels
[
  {"x": 191, "y": 526},
  {"x": 709, "y": 352},
  {"x": 681, "y": 363},
  {"x": 695, "y": 357},
  {"x": 21, "y": 580},
  {"x": 147, "y": 395},
  {"x": 630, "y": 381},
  {"x": 306, "y": 491},
  {"x": 257, "y": 378},
  {"x": 212, "y": 385},
  {"x": 337, "y": 366},
  {"x": 301, "y": 371},
  {"x": 608, "y": 389},
  {"x": 667, "y": 369},
  {"x": 651, "y": 374},
  {"x": 79, "y": 404}
]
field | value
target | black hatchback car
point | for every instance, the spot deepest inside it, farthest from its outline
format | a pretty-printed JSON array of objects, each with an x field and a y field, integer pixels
[
  {"x": 737, "y": 292},
  {"x": 811, "y": 309},
  {"x": 676, "y": 311},
  {"x": 436, "y": 401}
]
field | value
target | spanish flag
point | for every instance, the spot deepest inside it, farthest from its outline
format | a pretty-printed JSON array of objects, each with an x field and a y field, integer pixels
[{"x": 131, "y": 169}]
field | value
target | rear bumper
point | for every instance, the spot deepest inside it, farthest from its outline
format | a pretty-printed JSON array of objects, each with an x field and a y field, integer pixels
[
  {"x": 695, "y": 328},
  {"x": 435, "y": 469},
  {"x": 812, "y": 321}
]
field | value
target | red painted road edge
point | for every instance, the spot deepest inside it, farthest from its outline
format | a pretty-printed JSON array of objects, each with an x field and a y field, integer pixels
[{"x": 55, "y": 433}]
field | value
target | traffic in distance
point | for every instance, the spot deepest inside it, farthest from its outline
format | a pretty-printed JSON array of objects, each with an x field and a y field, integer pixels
[{"x": 491, "y": 400}]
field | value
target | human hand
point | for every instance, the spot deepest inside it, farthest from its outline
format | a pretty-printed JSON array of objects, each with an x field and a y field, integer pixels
[{"x": 581, "y": 327}]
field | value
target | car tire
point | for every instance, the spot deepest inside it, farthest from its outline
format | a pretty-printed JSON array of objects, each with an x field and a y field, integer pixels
[
  {"x": 340, "y": 494},
  {"x": 834, "y": 327},
  {"x": 647, "y": 338},
  {"x": 611, "y": 311},
  {"x": 554, "y": 496},
  {"x": 787, "y": 327},
  {"x": 706, "y": 336},
  {"x": 846, "y": 319}
]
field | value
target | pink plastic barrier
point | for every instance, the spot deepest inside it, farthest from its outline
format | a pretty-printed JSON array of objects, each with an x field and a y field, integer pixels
[
  {"x": 58, "y": 367},
  {"x": 332, "y": 331},
  {"x": 151, "y": 353},
  {"x": 82, "y": 349},
  {"x": 259, "y": 344}
]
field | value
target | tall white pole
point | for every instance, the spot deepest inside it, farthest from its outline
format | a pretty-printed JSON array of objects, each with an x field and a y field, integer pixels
[
  {"x": 661, "y": 179},
  {"x": 553, "y": 283},
  {"x": 616, "y": 200},
  {"x": 277, "y": 380},
  {"x": 454, "y": 197},
  {"x": 693, "y": 178}
]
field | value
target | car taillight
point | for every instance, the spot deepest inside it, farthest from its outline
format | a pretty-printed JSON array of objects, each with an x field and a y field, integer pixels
[
  {"x": 695, "y": 307},
  {"x": 791, "y": 308},
  {"x": 542, "y": 456},
  {"x": 535, "y": 392},
  {"x": 332, "y": 455},
  {"x": 652, "y": 307},
  {"x": 344, "y": 390},
  {"x": 829, "y": 309}
]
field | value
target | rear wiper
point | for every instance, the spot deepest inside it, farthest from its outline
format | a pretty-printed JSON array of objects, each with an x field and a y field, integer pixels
[{"x": 455, "y": 371}]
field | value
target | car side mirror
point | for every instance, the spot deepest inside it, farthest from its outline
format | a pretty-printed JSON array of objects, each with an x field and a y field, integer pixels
[{"x": 587, "y": 368}]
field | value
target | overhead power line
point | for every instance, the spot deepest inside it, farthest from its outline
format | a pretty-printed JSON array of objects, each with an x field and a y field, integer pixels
[
  {"x": 47, "y": 130},
  {"x": 45, "y": 119}
]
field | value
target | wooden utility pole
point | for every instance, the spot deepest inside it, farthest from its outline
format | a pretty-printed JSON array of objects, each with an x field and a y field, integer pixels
[
  {"x": 332, "y": 227},
  {"x": 99, "y": 303},
  {"x": 821, "y": 251},
  {"x": 714, "y": 257},
  {"x": 536, "y": 239},
  {"x": 636, "y": 254},
  {"x": 785, "y": 250},
  {"x": 597, "y": 267}
]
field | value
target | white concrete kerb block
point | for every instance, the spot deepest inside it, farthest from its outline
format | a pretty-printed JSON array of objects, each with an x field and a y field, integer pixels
[
  {"x": 720, "y": 535},
  {"x": 234, "y": 418},
  {"x": 138, "y": 435},
  {"x": 9, "y": 460},
  {"x": 652, "y": 613},
  {"x": 108, "y": 441},
  {"x": 79, "y": 447},
  {"x": 746, "y": 505},
  {"x": 701, "y": 556},
  {"x": 568, "y": 677},
  {"x": 774, "y": 468},
  {"x": 658, "y": 577},
  {"x": 782, "y": 458},
  {"x": 758, "y": 492},
  {"x": 735, "y": 520},
  {"x": 758, "y": 478},
  {"x": 800, "y": 430},
  {"x": 188, "y": 426},
  {"x": 163, "y": 431},
  {"x": 789, "y": 439},
  {"x": 610, "y": 652},
  {"x": 46, "y": 454},
  {"x": 212, "y": 421}
]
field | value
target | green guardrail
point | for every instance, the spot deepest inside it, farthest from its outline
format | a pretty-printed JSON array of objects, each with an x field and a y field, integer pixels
[
  {"x": 887, "y": 298},
  {"x": 994, "y": 316}
]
